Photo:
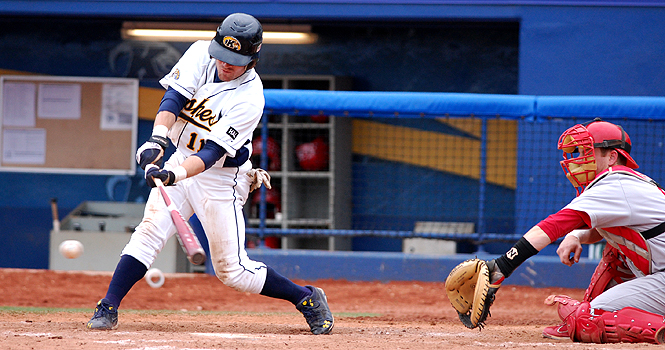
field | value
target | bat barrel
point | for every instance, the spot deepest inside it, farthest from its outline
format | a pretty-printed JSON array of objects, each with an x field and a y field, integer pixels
[{"x": 186, "y": 236}]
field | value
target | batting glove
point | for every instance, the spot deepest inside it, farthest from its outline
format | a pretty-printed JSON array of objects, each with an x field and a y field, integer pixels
[
  {"x": 167, "y": 176},
  {"x": 152, "y": 151},
  {"x": 258, "y": 176}
]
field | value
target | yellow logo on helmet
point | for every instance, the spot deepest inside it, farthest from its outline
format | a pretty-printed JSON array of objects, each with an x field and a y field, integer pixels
[{"x": 231, "y": 43}]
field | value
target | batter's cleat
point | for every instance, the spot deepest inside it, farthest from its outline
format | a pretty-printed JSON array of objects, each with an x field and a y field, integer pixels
[
  {"x": 105, "y": 317},
  {"x": 316, "y": 311},
  {"x": 559, "y": 332}
]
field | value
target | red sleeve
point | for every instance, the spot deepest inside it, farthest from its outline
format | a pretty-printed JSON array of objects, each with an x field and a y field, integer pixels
[{"x": 562, "y": 222}]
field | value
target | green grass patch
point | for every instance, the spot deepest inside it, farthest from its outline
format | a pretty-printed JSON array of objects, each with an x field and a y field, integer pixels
[
  {"x": 37, "y": 310},
  {"x": 49, "y": 310}
]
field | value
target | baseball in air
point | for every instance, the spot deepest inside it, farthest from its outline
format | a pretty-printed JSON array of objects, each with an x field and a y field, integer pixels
[{"x": 71, "y": 249}]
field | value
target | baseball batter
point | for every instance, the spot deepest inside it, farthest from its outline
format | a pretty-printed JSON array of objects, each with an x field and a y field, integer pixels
[
  {"x": 625, "y": 301},
  {"x": 213, "y": 103}
]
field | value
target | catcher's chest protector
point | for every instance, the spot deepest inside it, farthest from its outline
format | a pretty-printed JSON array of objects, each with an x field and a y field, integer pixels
[
  {"x": 628, "y": 242},
  {"x": 611, "y": 270},
  {"x": 631, "y": 244}
]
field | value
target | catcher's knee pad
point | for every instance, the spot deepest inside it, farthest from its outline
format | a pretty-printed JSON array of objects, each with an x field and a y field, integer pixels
[
  {"x": 245, "y": 276},
  {"x": 629, "y": 325},
  {"x": 611, "y": 271}
]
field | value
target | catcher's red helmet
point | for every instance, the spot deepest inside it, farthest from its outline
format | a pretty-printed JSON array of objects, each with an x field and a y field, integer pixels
[
  {"x": 608, "y": 135},
  {"x": 273, "y": 151},
  {"x": 313, "y": 156},
  {"x": 578, "y": 143}
]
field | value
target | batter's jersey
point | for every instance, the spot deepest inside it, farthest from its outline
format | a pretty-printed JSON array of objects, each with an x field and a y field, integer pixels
[
  {"x": 224, "y": 112},
  {"x": 622, "y": 198}
]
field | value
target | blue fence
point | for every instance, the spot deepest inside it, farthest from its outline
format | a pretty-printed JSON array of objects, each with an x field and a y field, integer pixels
[{"x": 446, "y": 157}]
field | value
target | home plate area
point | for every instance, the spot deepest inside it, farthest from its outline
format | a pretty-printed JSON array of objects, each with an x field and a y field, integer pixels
[{"x": 42, "y": 309}]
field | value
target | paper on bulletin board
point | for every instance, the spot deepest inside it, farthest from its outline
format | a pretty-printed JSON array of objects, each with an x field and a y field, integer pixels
[
  {"x": 18, "y": 104},
  {"x": 59, "y": 101},
  {"x": 24, "y": 146},
  {"x": 117, "y": 107}
]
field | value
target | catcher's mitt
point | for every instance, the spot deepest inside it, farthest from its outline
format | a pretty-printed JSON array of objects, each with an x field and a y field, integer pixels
[{"x": 468, "y": 288}]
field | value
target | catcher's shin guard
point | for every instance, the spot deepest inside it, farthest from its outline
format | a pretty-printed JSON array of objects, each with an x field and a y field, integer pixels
[
  {"x": 611, "y": 271},
  {"x": 566, "y": 305},
  {"x": 628, "y": 325}
]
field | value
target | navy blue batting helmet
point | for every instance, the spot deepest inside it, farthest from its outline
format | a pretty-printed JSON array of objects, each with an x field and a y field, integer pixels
[{"x": 238, "y": 40}]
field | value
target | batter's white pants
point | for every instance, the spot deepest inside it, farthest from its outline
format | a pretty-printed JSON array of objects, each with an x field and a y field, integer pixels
[{"x": 217, "y": 197}]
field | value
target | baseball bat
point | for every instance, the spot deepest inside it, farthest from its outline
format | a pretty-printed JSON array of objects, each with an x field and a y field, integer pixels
[
  {"x": 54, "y": 214},
  {"x": 188, "y": 241}
]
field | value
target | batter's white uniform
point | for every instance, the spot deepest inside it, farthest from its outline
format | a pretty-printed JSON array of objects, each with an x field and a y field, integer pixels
[
  {"x": 226, "y": 113},
  {"x": 620, "y": 199}
]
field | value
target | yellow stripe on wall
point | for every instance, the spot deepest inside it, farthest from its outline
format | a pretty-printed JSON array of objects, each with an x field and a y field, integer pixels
[
  {"x": 467, "y": 125},
  {"x": 448, "y": 153},
  {"x": 149, "y": 99},
  {"x": 433, "y": 150},
  {"x": 502, "y": 152},
  {"x": 13, "y": 72}
]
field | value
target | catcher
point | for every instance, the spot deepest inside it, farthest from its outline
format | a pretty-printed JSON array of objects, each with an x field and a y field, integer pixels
[{"x": 625, "y": 301}]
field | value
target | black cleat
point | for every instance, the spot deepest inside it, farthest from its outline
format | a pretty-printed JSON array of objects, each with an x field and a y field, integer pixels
[
  {"x": 105, "y": 317},
  {"x": 316, "y": 311}
]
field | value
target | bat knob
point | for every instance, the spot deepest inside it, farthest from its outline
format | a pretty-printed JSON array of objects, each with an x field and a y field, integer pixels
[{"x": 198, "y": 258}]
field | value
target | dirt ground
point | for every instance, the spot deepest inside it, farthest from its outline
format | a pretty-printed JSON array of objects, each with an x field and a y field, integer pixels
[{"x": 196, "y": 311}]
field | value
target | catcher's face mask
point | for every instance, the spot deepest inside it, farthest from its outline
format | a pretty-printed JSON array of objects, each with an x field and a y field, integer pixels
[
  {"x": 578, "y": 143},
  {"x": 579, "y": 163}
]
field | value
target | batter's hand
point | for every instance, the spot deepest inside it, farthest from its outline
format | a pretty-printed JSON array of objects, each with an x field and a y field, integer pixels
[
  {"x": 258, "y": 176},
  {"x": 152, "y": 151},
  {"x": 167, "y": 176},
  {"x": 570, "y": 245}
]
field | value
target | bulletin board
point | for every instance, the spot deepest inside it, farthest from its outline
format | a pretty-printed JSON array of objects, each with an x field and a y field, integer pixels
[{"x": 76, "y": 125}]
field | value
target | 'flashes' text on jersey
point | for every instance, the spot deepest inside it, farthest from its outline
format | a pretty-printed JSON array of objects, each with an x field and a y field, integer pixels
[{"x": 198, "y": 114}]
